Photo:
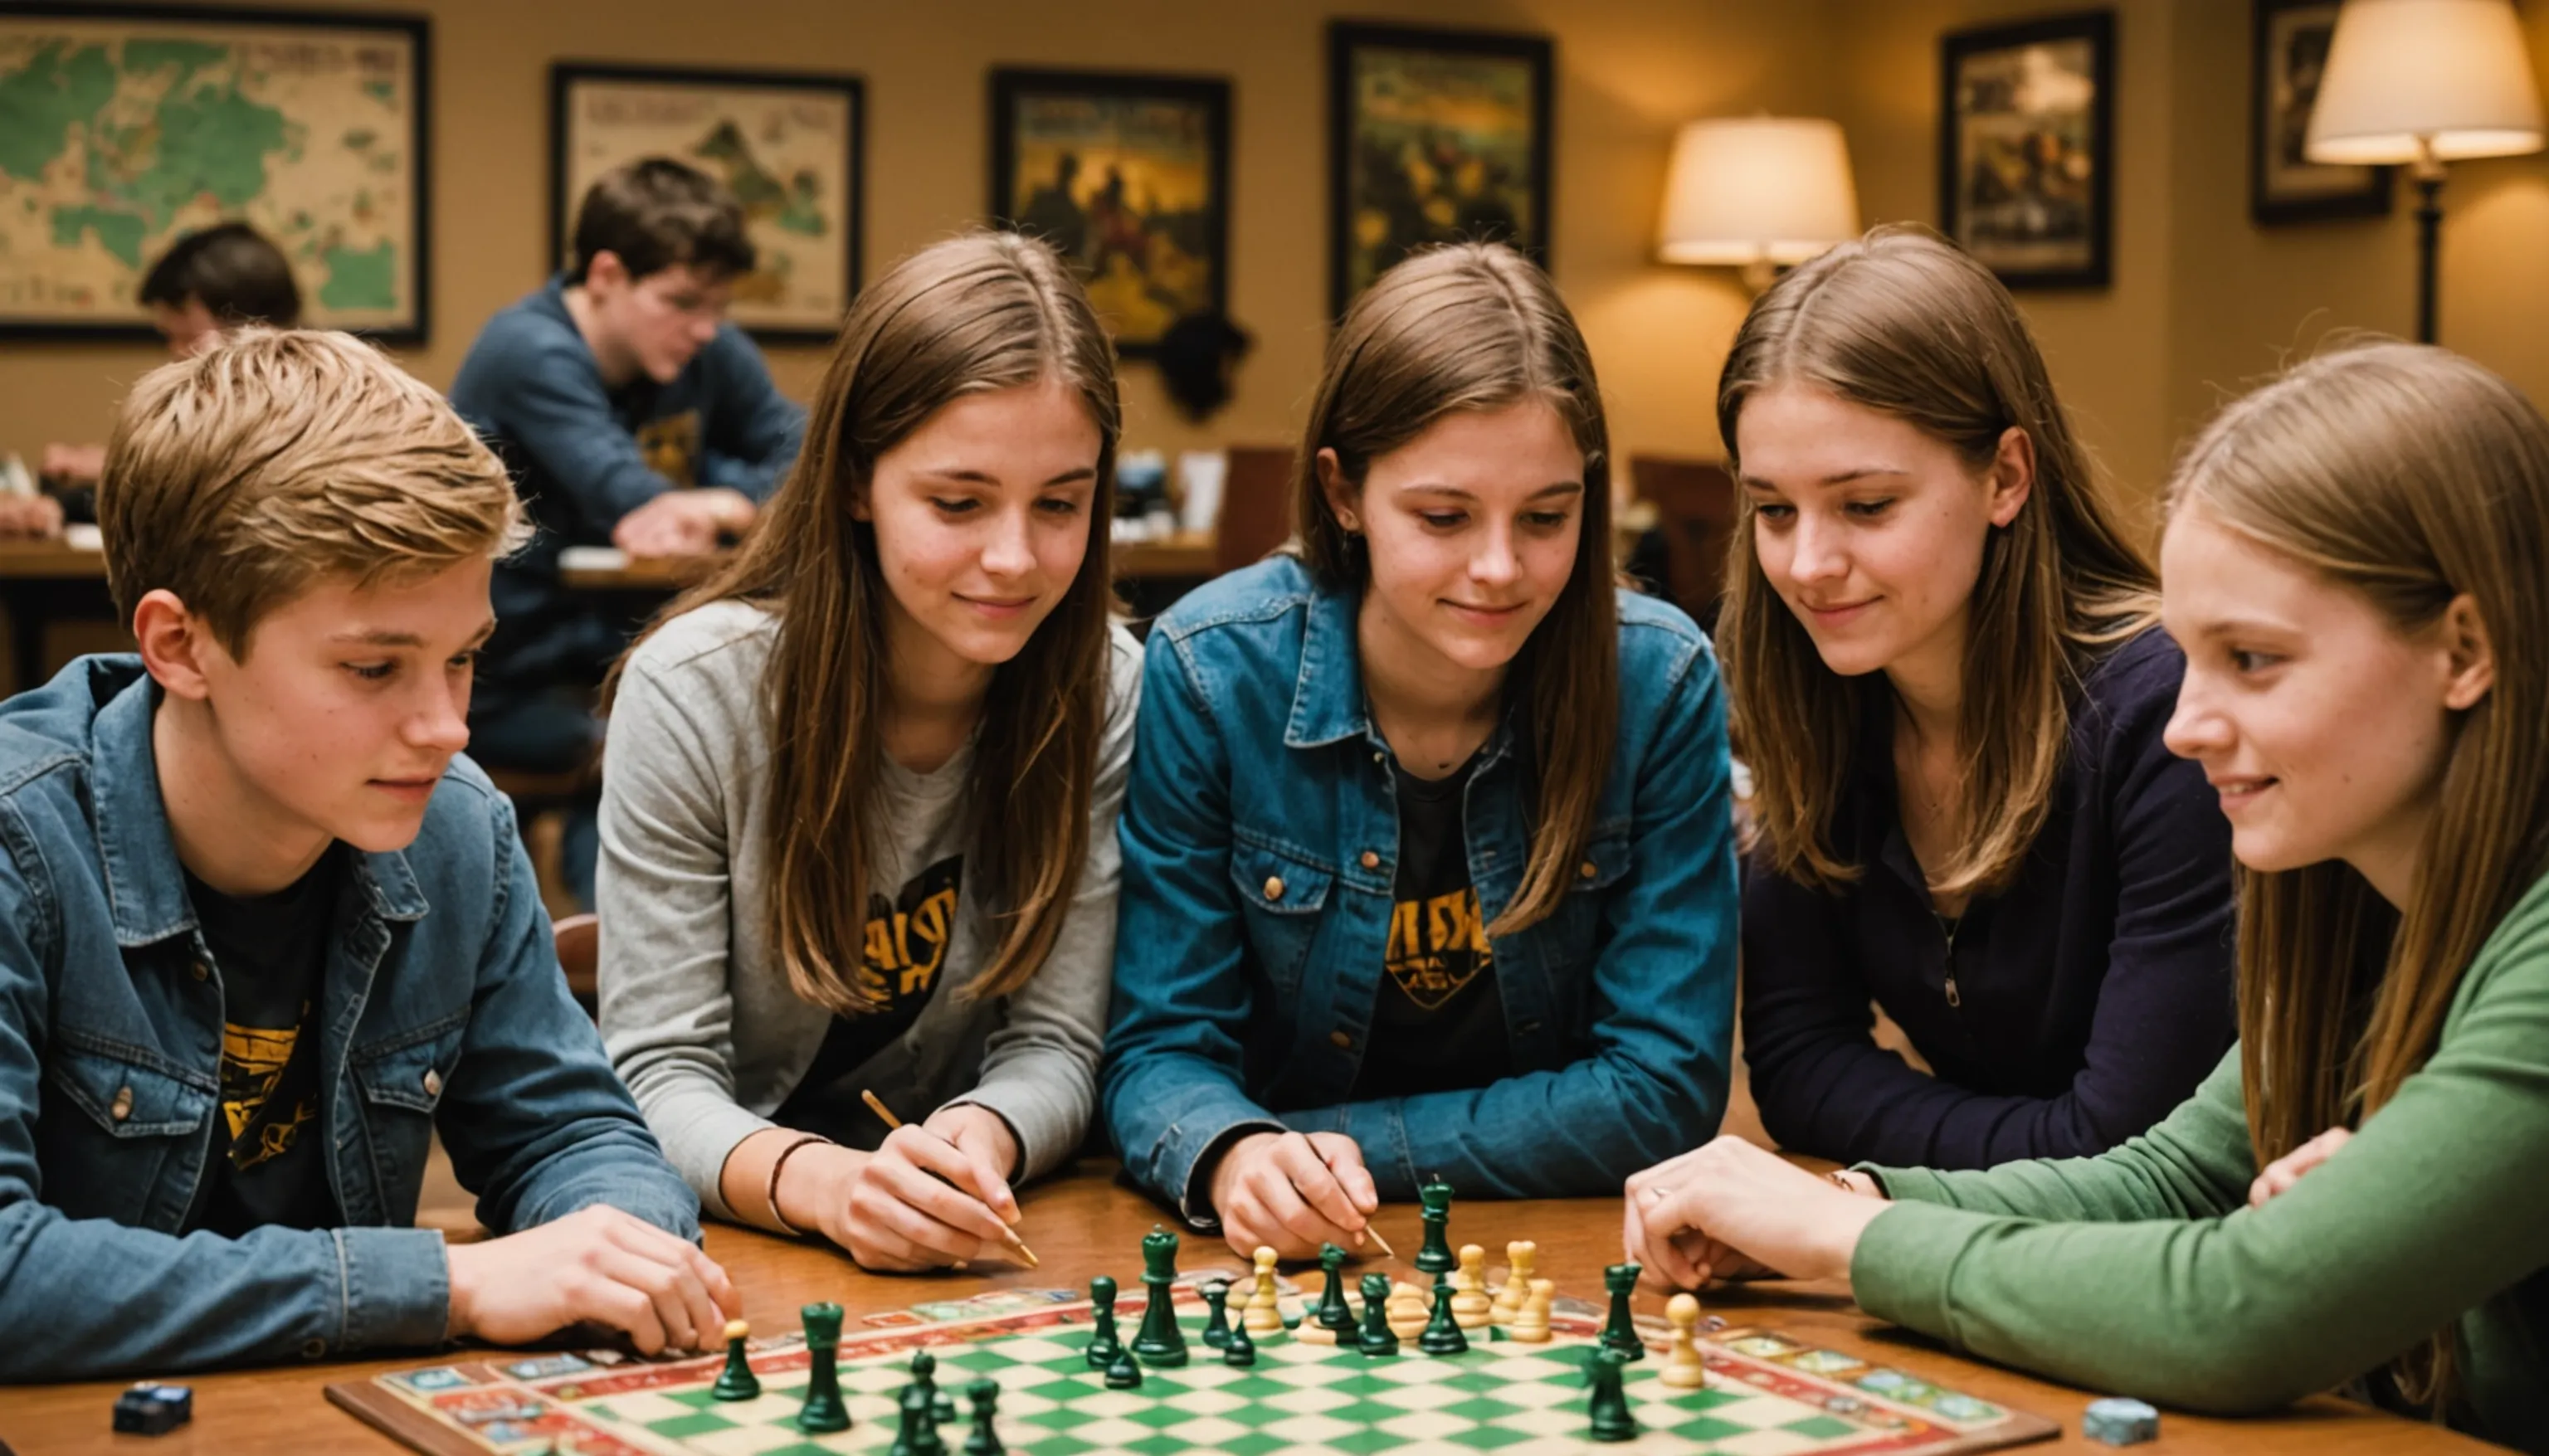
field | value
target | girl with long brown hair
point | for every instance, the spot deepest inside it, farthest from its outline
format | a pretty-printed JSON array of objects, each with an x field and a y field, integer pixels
[
  {"x": 2352, "y": 564},
  {"x": 1950, "y": 684},
  {"x": 858, "y": 827},
  {"x": 1429, "y": 853}
]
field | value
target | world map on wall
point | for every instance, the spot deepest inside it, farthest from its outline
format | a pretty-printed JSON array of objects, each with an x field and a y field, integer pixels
[{"x": 119, "y": 137}]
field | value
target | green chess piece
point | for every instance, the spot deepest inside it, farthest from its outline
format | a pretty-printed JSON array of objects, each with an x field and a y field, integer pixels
[
  {"x": 1436, "y": 1256},
  {"x": 1241, "y": 1352},
  {"x": 1103, "y": 1347},
  {"x": 1609, "y": 1403},
  {"x": 823, "y": 1410},
  {"x": 1619, "y": 1330},
  {"x": 985, "y": 1441},
  {"x": 735, "y": 1382},
  {"x": 1123, "y": 1375},
  {"x": 924, "y": 1374},
  {"x": 1379, "y": 1340},
  {"x": 917, "y": 1432},
  {"x": 1334, "y": 1314},
  {"x": 1160, "y": 1343},
  {"x": 1217, "y": 1320},
  {"x": 1443, "y": 1334}
]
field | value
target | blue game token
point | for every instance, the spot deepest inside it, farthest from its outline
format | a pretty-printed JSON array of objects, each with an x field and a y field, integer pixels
[{"x": 2120, "y": 1422}]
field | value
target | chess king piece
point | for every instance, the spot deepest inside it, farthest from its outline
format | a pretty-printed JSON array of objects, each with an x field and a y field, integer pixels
[
  {"x": 1377, "y": 1341},
  {"x": 736, "y": 1382},
  {"x": 1241, "y": 1352},
  {"x": 1609, "y": 1403},
  {"x": 1519, "y": 1256},
  {"x": 1684, "y": 1368},
  {"x": 1103, "y": 1347},
  {"x": 1160, "y": 1343},
  {"x": 824, "y": 1411},
  {"x": 1216, "y": 1325},
  {"x": 1264, "y": 1312},
  {"x": 1620, "y": 1331},
  {"x": 1435, "y": 1257},
  {"x": 1531, "y": 1321},
  {"x": 1442, "y": 1335},
  {"x": 1470, "y": 1303},
  {"x": 986, "y": 1439}
]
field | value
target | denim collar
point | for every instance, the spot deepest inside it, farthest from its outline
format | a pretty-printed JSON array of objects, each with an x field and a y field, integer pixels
[
  {"x": 145, "y": 884},
  {"x": 1328, "y": 702}
]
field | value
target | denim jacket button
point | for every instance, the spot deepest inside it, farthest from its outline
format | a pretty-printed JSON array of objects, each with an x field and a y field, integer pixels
[
  {"x": 432, "y": 1082},
  {"x": 1273, "y": 888},
  {"x": 121, "y": 1108},
  {"x": 1370, "y": 860},
  {"x": 1344, "y": 1042},
  {"x": 1586, "y": 869},
  {"x": 199, "y": 970},
  {"x": 311, "y": 1350}
]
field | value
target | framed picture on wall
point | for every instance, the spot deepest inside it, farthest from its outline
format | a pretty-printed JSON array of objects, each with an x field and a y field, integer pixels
[
  {"x": 1129, "y": 178},
  {"x": 1434, "y": 137},
  {"x": 2285, "y": 63},
  {"x": 790, "y": 147},
  {"x": 2026, "y": 148},
  {"x": 132, "y": 126}
]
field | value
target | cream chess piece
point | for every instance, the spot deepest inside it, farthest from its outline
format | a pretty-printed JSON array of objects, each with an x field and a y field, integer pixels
[
  {"x": 1531, "y": 1321},
  {"x": 1406, "y": 1312},
  {"x": 1684, "y": 1368},
  {"x": 1263, "y": 1316},
  {"x": 1519, "y": 1258},
  {"x": 1471, "y": 1307}
]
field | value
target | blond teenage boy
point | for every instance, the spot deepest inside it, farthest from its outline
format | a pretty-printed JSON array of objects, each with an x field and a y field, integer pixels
[{"x": 262, "y": 930}]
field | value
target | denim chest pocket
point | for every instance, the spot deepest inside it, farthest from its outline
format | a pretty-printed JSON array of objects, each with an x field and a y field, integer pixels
[
  {"x": 1574, "y": 934},
  {"x": 1282, "y": 897},
  {"x": 403, "y": 1079},
  {"x": 116, "y": 1140}
]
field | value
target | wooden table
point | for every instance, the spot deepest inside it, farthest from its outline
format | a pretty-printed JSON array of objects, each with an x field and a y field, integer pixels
[{"x": 1087, "y": 1222}]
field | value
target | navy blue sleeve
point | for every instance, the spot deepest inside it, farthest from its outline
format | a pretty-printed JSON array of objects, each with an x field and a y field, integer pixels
[
  {"x": 755, "y": 431},
  {"x": 534, "y": 389},
  {"x": 2163, "y": 1016}
]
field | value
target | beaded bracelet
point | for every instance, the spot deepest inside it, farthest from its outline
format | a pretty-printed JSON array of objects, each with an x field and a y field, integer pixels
[{"x": 780, "y": 1163}]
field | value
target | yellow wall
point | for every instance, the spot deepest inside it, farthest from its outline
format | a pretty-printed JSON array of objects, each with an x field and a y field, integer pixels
[{"x": 1631, "y": 71}]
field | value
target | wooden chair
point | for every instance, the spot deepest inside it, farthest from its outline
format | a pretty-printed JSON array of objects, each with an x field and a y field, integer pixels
[
  {"x": 1694, "y": 503},
  {"x": 579, "y": 947},
  {"x": 1256, "y": 506}
]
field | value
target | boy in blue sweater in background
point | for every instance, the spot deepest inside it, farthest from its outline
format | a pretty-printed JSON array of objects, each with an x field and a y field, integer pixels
[{"x": 630, "y": 413}]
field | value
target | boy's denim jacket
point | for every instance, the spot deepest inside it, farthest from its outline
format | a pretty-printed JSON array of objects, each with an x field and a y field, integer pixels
[
  {"x": 1240, "y": 1007},
  {"x": 441, "y": 1005}
]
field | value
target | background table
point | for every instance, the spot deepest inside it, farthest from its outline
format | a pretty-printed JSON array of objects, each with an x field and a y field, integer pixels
[{"x": 1086, "y": 1223}]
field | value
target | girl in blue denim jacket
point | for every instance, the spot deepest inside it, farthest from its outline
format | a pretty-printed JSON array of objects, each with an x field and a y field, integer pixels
[{"x": 1429, "y": 868}]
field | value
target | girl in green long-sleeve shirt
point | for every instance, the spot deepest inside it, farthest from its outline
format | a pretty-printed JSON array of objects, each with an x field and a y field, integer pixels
[{"x": 2353, "y": 566}]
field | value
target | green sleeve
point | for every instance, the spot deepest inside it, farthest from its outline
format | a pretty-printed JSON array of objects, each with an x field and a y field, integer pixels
[
  {"x": 2436, "y": 1206},
  {"x": 2195, "y": 1164}
]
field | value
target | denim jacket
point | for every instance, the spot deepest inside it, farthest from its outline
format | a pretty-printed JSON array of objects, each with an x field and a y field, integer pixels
[
  {"x": 442, "y": 1006},
  {"x": 1239, "y": 1007}
]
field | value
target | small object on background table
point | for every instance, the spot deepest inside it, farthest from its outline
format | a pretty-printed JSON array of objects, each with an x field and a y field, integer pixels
[
  {"x": 1442, "y": 1335},
  {"x": 1264, "y": 1316},
  {"x": 151, "y": 1408},
  {"x": 1620, "y": 1331},
  {"x": 1123, "y": 1374},
  {"x": 1519, "y": 1258},
  {"x": 736, "y": 1382},
  {"x": 1103, "y": 1347},
  {"x": 1470, "y": 1305},
  {"x": 823, "y": 1410},
  {"x": 986, "y": 1439},
  {"x": 1241, "y": 1352},
  {"x": 1686, "y": 1369},
  {"x": 1216, "y": 1324},
  {"x": 1377, "y": 1339},
  {"x": 1436, "y": 1256},
  {"x": 1159, "y": 1341},
  {"x": 1531, "y": 1321},
  {"x": 2120, "y": 1420},
  {"x": 1608, "y": 1405},
  {"x": 1015, "y": 1245}
]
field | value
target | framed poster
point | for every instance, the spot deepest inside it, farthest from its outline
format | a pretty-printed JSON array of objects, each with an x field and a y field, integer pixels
[
  {"x": 2285, "y": 62},
  {"x": 124, "y": 128},
  {"x": 2026, "y": 148},
  {"x": 1129, "y": 178},
  {"x": 789, "y": 145},
  {"x": 1434, "y": 137}
]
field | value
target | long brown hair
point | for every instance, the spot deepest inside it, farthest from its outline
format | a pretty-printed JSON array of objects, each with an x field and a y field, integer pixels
[
  {"x": 987, "y": 311},
  {"x": 1478, "y": 326},
  {"x": 2412, "y": 476},
  {"x": 1903, "y": 322}
]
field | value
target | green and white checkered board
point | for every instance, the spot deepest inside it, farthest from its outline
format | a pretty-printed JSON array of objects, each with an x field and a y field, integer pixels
[{"x": 1299, "y": 1399}]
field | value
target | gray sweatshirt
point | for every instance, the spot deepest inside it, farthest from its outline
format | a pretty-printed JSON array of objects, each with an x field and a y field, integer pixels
[{"x": 696, "y": 1009}]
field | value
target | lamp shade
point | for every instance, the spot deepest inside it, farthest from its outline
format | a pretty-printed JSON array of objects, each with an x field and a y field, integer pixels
[
  {"x": 1743, "y": 189},
  {"x": 2450, "y": 74}
]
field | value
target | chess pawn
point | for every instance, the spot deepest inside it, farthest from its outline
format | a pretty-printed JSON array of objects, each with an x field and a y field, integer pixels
[
  {"x": 1216, "y": 1325},
  {"x": 1685, "y": 1369},
  {"x": 1471, "y": 1307},
  {"x": 1405, "y": 1310},
  {"x": 1123, "y": 1375},
  {"x": 736, "y": 1382},
  {"x": 1379, "y": 1340},
  {"x": 1608, "y": 1404},
  {"x": 1103, "y": 1347},
  {"x": 1442, "y": 1333},
  {"x": 1519, "y": 1257},
  {"x": 986, "y": 1440},
  {"x": 1531, "y": 1321},
  {"x": 1241, "y": 1352},
  {"x": 1333, "y": 1322},
  {"x": 1264, "y": 1316}
]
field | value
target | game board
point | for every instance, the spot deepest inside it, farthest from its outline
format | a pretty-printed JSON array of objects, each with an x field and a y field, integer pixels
[{"x": 1767, "y": 1396}]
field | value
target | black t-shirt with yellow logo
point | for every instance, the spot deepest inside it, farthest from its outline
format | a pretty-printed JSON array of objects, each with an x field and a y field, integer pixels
[
  {"x": 907, "y": 948},
  {"x": 1439, "y": 1024},
  {"x": 268, "y": 1165}
]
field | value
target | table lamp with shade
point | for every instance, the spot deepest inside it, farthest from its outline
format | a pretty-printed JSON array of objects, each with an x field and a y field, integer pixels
[
  {"x": 1757, "y": 193},
  {"x": 2425, "y": 82}
]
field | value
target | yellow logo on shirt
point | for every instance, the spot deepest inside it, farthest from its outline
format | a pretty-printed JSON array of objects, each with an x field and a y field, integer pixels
[
  {"x": 671, "y": 446},
  {"x": 907, "y": 937},
  {"x": 253, "y": 1062},
  {"x": 1436, "y": 947}
]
